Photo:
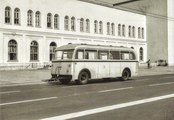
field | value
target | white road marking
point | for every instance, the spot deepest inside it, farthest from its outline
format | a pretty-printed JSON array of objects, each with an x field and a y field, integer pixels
[
  {"x": 108, "y": 108},
  {"x": 7, "y": 92},
  {"x": 25, "y": 101},
  {"x": 110, "y": 90},
  {"x": 168, "y": 83}
]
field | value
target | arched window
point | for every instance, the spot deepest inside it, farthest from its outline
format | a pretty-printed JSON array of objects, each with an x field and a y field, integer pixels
[
  {"x": 81, "y": 25},
  {"x": 17, "y": 16},
  {"x": 12, "y": 50},
  {"x": 129, "y": 31},
  {"x": 56, "y": 21},
  {"x": 49, "y": 20},
  {"x": 123, "y": 31},
  {"x": 30, "y": 18},
  {"x": 100, "y": 27},
  {"x": 142, "y": 30},
  {"x": 73, "y": 24},
  {"x": 133, "y": 32},
  {"x": 112, "y": 29},
  {"x": 95, "y": 26},
  {"x": 119, "y": 29},
  {"x": 52, "y": 50},
  {"x": 66, "y": 23},
  {"x": 108, "y": 28},
  {"x": 7, "y": 15},
  {"x": 139, "y": 32},
  {"x": 34, "y": 50},
  {"x": 87, "y": 25},
  {"x": 132, "y": 47},
  {"x": 141, "y": 54},
  {"x": 37, "y": 19}
]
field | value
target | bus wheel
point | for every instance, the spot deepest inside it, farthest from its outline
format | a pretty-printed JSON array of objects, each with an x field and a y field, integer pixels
[
  {"x": 64, "y": 81},
  {"x": 83, "y": 78},
  {"x": 125, "y": 74}
]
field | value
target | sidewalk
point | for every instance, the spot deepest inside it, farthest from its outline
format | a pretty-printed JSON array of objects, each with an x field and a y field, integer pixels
[{"x": 25, "y": 77}]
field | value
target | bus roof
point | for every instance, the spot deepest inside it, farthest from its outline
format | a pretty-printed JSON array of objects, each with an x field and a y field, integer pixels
[{"x": 90, "y": 46}]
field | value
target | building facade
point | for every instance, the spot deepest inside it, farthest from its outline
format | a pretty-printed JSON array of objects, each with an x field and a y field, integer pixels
[
  {"x": 159, "y": 27},
  {"x": 30, "y": 30}
]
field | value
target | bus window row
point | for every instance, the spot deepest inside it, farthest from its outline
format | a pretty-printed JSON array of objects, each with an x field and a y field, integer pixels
[{"x": 105, "y": 55}]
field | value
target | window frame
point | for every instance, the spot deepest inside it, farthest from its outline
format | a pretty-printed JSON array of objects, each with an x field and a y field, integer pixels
[
  {"x": 66, "y": 23},
  {"x": 17, "y": 16},
  {"x": 34, "y": 51},
  {"x": 38, "y": 19},
  {"x": 8, "y": 14},
  {"x": 30, "y": 18},
  {"x": 12, "y": 50},
  {"x": 49, "y": 20}
]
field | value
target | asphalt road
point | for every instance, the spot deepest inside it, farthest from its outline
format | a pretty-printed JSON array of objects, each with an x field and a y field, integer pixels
[{"x": 142, "y": 98}]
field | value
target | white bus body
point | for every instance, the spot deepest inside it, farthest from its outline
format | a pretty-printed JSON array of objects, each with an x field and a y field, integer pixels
[{"x": 82, "y": 62}]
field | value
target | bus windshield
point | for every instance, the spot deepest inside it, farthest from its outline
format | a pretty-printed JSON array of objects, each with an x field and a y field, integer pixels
[{"x": 64, "y": 54}]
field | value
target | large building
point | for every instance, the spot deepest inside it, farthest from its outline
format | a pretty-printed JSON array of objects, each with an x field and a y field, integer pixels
[
  {"x": 30, "y": 30},
  {"x": 159, "y": 24}
]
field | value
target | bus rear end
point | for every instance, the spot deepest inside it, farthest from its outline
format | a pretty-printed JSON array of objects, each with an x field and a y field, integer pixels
[{"x": 62, "y": 67}]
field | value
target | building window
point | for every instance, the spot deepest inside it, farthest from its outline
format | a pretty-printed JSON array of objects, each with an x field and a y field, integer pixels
[
  {"x": 112, "y": 29},
  {"x": 142, "y": 32},
  {"x": 56, "y": 21},
  {"x": 73, "y": 24},
  {"x": 12, "y": 50},
  {"x": 108, "y": 28},
  {"x": 141, "y": 54},
  {"x": 129, "y": 31},
  {"x": 7, "y": 15},
  {"x": 119, "y": 29},
  {"x": 87, "y": 25},
  {"x": 132, "y": 47},
  {"x": 100, "y": 27},
  {"x": 37, "y": 19},
  {"x": 139, "y": 32},
  {"x": 17, "y": 16},
  {"x": 81, "y": 25},
  {"x": 133, "y": 32},
  {"x": 66, "y": 23},
  {"x": 52, "y": 50},
  {"x": 34, "y": 50},
  {"x": 49, "y": 20},
  {"x": 95, "y": 26},
  {"x": 123, "y": 30},
  {"x": 30, "y": 18}
]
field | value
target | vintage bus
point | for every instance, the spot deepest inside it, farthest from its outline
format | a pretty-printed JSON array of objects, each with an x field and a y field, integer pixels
[{"x": 82, "y": 62}]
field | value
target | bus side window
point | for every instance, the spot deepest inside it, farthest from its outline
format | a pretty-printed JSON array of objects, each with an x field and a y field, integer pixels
[
  {"x": 90, "y": 54},
  {"x": 115, "y": 55},
  {"x": 132, "y": 56},
  {"x": 103, "y": 55},
  {"x": 125, "y": 55},
  {"x": 80, "y": 54}
]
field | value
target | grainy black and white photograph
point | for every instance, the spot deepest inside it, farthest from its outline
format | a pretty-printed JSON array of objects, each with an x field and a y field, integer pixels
[{"x": 86, "y": 59}]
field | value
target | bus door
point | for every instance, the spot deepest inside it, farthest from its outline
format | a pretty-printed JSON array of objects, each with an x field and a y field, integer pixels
[{"x": 103, "y": 64}]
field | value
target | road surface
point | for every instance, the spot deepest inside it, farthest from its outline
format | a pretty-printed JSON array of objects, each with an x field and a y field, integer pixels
[{"x": 141, "y": 98}]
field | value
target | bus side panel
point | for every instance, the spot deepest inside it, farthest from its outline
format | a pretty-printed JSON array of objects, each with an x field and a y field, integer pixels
[
  {"x": 91, "y": 66},
  {"x": 115, "y": 69},
  {"x": 103, "y": 70},
  {"x": 131, "y": 65},
  {"x": 134, "y": 67}
]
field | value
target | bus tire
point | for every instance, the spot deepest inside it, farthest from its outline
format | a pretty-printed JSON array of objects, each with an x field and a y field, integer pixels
[
  {"x": 126, "y": 74},
  {"x": 64, "y": 81},
  {"x": 83, "y": 78}
]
